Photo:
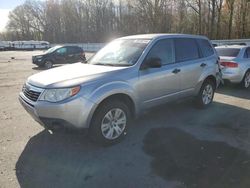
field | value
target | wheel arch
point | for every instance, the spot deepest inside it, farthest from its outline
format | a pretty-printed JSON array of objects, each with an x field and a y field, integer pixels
[
  {"x": 212, "y": 78},
  {"x": 207, "y": 77},
  {"x": 123, "y": 97}
]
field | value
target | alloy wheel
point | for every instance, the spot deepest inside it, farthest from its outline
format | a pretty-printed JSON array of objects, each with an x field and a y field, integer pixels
[
  {"x": 207, "y": 94},
  {"x": 247, "y": 80},
  {"x": 113, "y": 123},
  {"x": 48, "y": 64}
]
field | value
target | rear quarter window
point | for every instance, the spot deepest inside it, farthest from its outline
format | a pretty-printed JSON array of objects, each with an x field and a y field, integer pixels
[
  {"x": 247, "y": 53},
  {"x": 206, "y": 48},
  {"x": 74, "y": 50},
  {"x": 228, "y": 52},
  {"x": 186, "y": 49}
]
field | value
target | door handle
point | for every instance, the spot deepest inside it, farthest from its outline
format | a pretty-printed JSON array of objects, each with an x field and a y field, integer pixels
[
  {"x": 175, "y": 71},
  {"x": 203, "y": 65}
]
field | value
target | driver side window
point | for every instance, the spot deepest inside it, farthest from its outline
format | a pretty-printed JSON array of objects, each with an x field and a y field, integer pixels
[
  {"x": 163, "y": 49},
  {"x": 61, "y": 51}
]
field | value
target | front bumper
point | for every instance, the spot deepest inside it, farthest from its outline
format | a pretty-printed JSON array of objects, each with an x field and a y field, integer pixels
[
  {"x": 37, "y": 61},
  {"x": 75, "y": 113}
]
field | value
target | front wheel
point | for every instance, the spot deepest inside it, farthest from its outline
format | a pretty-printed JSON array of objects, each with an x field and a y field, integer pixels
[
  {"x": 206, "y": 94},
  {"x": 48, "y": 64},
  {"x": 110, "y": 122},
  {"x": 246, "y": 80}
]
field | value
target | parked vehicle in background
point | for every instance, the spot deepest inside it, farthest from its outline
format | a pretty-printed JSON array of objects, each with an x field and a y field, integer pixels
[
  {"x": 242, "y": 42},
  {"x": 123, "y": 79},
  {"x": 235, "y": 64},
  {"x": 24, "y": 45},
  {"x": 5, "y": 45},
  {"x": 30, "y": 45},
  {"x": 59, "y": 55}
]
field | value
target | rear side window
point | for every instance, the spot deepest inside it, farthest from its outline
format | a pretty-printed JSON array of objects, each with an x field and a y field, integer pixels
[
  {"x": 247, "y": 53},
  {"x": 186, "y": 49},
  {"x": 163, "y": 49},
  {"x": 228, "y": 52},
  {"x": 74, "y": 50},
  {"x": 206, "y": 48}
]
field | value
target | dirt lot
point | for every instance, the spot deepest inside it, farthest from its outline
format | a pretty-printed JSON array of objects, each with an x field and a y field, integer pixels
[{"x": 175, "y": 145}]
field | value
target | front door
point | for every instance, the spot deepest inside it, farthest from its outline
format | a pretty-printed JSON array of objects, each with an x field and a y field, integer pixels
[
  {"x": 158, "y": 85},
  {"x": 60, "y": 56}
]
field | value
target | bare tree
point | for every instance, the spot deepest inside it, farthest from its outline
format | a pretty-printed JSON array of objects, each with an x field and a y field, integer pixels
[
  {"x": 230, "y": 4},
  {"x": 61, "y": 21},
  {"x": 219, "y": 8}
]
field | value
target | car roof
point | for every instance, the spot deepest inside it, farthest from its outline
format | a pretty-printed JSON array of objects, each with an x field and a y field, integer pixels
[
  {"x": 71, "y": 46},
  {"x": 162, "y": 35},
  {"x": 231, "y": 46}
]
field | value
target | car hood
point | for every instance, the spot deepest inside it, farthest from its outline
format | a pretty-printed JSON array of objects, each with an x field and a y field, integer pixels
[
  {"x": 70, "y": 75},
  {"x": 42, "y": 54}
]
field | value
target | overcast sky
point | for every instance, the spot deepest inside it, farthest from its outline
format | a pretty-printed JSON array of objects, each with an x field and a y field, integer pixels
[{"x": 5, "y": 7}]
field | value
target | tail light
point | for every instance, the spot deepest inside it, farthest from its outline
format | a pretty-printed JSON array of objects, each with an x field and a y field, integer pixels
[{"x": 229, "y": 64}]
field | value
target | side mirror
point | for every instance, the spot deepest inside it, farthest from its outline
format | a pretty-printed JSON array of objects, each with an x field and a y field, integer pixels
[{"x": 152, "y": 63}]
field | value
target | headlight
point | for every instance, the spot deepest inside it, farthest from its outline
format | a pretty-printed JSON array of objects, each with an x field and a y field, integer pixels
[{"x": 56, "y": 95}]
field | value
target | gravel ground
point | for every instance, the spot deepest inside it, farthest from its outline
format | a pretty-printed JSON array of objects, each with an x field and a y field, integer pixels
[{"x": 175, "y": 145}]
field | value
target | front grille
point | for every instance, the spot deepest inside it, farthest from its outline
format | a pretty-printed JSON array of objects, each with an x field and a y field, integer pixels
[{"x": 31, "y": 94}]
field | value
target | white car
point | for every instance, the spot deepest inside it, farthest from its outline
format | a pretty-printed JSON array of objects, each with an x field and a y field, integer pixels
[{"x": 235, "y": 64}]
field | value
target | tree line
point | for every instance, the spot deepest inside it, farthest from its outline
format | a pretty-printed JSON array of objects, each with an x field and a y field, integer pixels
[{"x": 60, "y": 21}]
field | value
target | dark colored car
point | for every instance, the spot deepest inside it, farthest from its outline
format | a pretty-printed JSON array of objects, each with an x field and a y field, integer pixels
[{"x": 59, "y": 55}]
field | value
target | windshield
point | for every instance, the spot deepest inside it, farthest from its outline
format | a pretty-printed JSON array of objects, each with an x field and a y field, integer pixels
[
  {"x": 52, "y": 49},
  {"x": 121, "y": 52},
  {"x": 228, "y": 52}
]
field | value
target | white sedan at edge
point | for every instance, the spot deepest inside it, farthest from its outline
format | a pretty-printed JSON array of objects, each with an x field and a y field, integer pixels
[{"x": 235, "y": 64}]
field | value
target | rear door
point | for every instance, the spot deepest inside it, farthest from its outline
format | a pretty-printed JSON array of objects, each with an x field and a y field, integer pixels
[
  {"x": 246, "y": 60},
  {"x": 191, "y": 61},
  {"x": 74, "y": 54}
]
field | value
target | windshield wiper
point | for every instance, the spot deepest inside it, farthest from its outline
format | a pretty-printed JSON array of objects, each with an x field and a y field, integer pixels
[
  {"x": 122, "y": 65},
  {"x": 113, "y": 64},
  {"x": 105, "y": 64}
]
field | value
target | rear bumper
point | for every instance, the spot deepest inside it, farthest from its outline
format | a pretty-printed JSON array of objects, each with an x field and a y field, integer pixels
[
  {"x": 73, "y": 114},
  {"x": 232, "y": 75}
]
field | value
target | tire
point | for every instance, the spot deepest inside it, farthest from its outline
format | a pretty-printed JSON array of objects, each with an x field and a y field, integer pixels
[
  {"x": 48, "y": 64},
  {"x": 40, "y": 66},
  {"x": 206, "y": 94},
  {"x": 246, "y": 80},
  {"x": 104, "y": 131},
  {"x": 83, "y": 59}
]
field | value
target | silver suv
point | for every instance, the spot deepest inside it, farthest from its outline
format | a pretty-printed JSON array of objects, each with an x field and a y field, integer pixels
[{"x": 123, "y": 79}]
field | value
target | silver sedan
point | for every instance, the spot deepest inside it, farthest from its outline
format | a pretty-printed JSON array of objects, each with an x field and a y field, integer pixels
[{"x": 235, "y": 64}]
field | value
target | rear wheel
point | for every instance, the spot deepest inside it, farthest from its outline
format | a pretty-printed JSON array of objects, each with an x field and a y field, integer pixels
[
  {"x": 206, "y": 94},
  {"x": 40, "y": 66},
  {"x": 48, "y": 64},
  {"x": 246, "y": 80},
  {"x": 110, "y": 122}
]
